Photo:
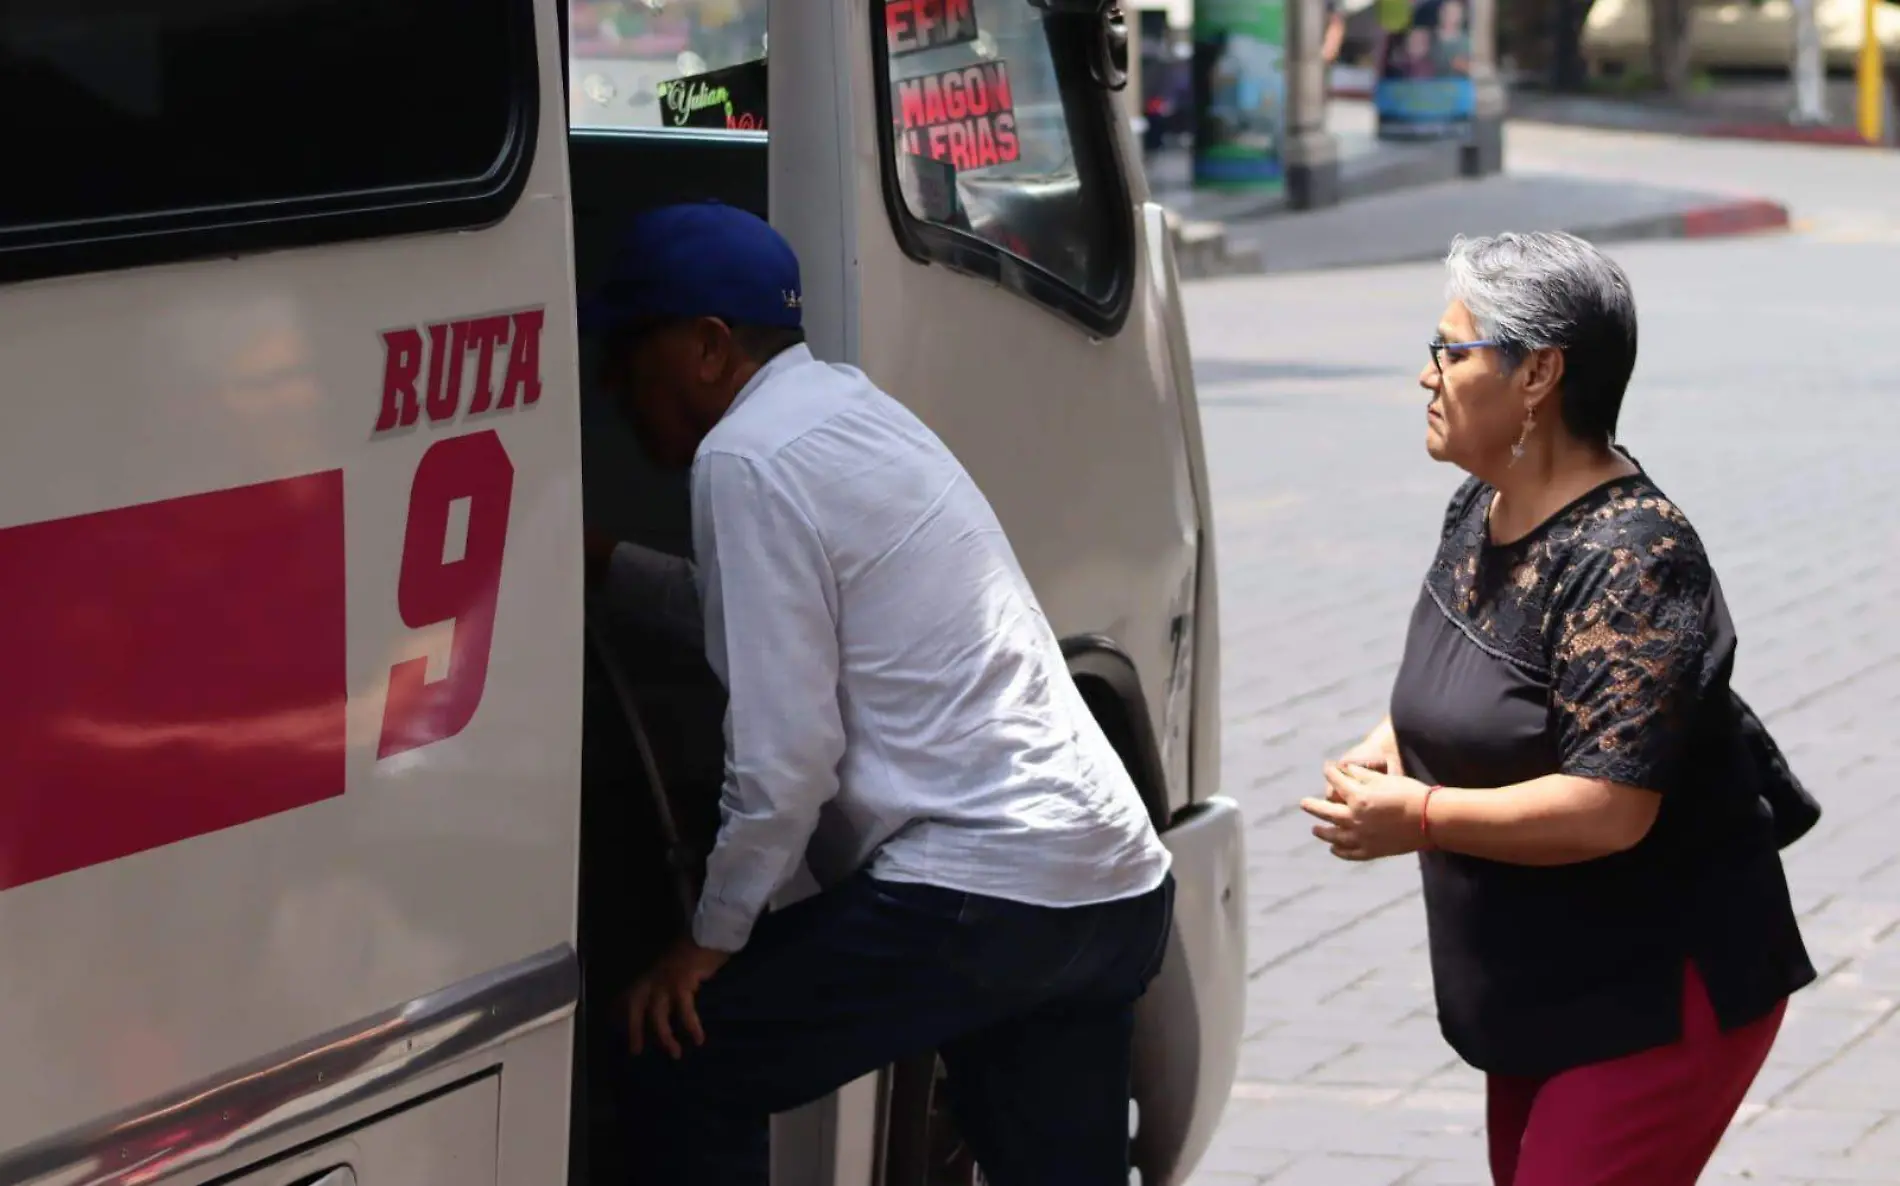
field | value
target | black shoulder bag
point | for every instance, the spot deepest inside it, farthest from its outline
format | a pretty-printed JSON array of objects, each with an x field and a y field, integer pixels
[
  {"x": 1755, "y": 765},
  {"x": 1760, "y": 762}
]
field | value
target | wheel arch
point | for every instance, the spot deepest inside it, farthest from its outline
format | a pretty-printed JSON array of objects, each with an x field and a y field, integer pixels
[{"x": 1111, "y": 686}]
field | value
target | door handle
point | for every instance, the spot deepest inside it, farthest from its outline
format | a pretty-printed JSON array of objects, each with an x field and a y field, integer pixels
[{"x": 341, "y": 1175}]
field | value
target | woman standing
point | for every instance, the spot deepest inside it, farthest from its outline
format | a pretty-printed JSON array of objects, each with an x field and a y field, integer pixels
[{"x": 1611, "y": 933}]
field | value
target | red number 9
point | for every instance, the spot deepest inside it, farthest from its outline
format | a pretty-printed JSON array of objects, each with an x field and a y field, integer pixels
[{"x": 449, "y": 579}]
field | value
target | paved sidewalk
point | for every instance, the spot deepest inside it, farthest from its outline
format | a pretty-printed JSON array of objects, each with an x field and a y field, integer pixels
[
  {"x": 1407, "y": 201},
  {"x": 1368, "y": 167},
  {"x": 1327, "y": 512},
  {"x": 1754, "y": 109},
  {"x": 1415, "y": 225},
  {"x": 1841, "y": 192}
]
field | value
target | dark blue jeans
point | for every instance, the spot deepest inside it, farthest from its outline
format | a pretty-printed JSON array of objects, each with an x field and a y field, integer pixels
[{"x": 1031, "y": 1009}]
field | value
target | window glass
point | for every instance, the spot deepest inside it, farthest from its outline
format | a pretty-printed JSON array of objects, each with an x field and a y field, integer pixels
[
  {"x": 127, "y": 109},
  {"x": 984, "y": 134},
  {"x": 693, "y": 65}
]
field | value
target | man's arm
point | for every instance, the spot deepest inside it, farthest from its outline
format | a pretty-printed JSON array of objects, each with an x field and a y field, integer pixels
[{"x": 772, "y": 636}]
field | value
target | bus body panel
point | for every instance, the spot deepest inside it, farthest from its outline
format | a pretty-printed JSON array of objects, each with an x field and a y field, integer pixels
[
  {"x": 1202, "y": 750},
  {"x": 1076, "y": 439},
  {"x": 209, "y": 861}
]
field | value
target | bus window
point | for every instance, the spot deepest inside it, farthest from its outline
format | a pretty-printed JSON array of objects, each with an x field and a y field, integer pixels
[
  {"x": 695, "y": 65},
  {"x": 139, "y": 131},
  {"x": 1001, "y": 142}
]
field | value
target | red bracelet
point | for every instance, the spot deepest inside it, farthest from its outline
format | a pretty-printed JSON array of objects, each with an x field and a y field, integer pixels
[{"x": 1425, "y": 820}]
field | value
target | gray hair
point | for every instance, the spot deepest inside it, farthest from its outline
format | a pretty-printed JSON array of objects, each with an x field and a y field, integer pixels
[{"x": 1550, "y": 290}]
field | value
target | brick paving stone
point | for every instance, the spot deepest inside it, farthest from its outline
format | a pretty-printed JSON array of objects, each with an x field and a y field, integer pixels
[
  {"x": 1765, "y": 402},
  {"x": 1339, "y": 1169},
  {"x": 1384, "y": 1063},
  {"x": 1463, "y": 1172}
]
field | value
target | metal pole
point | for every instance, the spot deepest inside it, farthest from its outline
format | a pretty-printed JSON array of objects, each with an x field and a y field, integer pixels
[
  {"x": 1810, "y": 99},
  {"x": 1870, "y": 75}
]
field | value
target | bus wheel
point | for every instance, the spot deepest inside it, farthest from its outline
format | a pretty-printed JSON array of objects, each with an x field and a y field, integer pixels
[{"x": 924, "y": 1146}]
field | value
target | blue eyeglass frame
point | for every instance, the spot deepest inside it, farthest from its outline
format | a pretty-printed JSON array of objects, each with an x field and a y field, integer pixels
[{"x": 1438, "y": 349}]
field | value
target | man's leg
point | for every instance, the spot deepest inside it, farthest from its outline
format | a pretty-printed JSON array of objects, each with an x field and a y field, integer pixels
[
  {"x": 828, "y": 989},
  {"x": 1043, "y": 1097}
]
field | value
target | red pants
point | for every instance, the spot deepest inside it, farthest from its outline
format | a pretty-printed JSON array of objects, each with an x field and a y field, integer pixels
[{"x": 1649, "y": 1119}]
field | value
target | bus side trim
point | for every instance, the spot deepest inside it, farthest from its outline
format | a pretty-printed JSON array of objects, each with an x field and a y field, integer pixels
[{"x": 305, "y": 1083}]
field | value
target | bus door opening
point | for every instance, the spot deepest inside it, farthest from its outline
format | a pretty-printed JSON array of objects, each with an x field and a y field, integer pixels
[{"x": 666, "y": 105}]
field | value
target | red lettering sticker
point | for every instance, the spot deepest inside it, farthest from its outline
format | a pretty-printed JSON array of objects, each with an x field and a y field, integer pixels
[
  {"x": 451, "y": 573},
  {"x": 445, "y": 367},
  {"x": 493, "y": 360},
  {"x": 485, "y": 335},
  {"x": 174, "y": 668},
  {"x": 402, "y": 369},
  {"x": 964, "y": 117},
  {"x": 912, "y": 26},
  {"x": 524, "y": 359},
  {"x": 458, "y": 508}
]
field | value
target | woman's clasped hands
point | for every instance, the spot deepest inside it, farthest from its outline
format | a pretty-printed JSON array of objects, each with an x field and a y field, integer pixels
[{"x": 1368, "y": 813}]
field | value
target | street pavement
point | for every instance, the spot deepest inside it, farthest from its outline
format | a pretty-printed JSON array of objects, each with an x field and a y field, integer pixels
[{"x": 1764, "y": 404}]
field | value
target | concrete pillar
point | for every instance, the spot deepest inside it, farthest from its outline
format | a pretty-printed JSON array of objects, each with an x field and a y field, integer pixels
[
  {"x": 1310, "y": 152},
  {"x": 1483, "y": 153}
]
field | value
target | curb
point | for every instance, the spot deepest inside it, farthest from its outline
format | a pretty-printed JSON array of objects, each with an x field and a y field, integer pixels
[
  {"x": 1692, "y": 127},
  {"x": 1792, "y": 134},
  {"x": 1744, "y": 216},
  {"x": 1740, "y": 216}
]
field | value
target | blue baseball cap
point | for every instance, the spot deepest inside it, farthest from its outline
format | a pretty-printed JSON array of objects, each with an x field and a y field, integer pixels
[{"x": 698, "y": 259}]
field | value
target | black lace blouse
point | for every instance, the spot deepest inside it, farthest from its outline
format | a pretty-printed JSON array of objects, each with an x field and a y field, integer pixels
[{"x": 1599, "y": 646}]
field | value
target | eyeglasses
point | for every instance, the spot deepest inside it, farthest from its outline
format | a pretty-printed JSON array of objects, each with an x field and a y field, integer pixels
[{"x": 1438, "y": 346}]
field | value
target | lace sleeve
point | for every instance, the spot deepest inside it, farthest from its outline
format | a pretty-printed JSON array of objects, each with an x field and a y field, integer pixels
[{"x": 1628, "y": 655}]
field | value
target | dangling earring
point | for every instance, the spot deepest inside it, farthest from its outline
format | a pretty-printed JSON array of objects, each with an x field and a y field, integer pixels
[{"x": 1530, "y": 422}]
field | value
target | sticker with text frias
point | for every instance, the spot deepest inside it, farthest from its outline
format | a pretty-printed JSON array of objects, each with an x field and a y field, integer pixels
[{"x": 965, "y": 116}]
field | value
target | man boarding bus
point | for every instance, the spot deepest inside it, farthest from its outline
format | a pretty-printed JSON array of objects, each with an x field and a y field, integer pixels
[{"x": 995, "y": 888}]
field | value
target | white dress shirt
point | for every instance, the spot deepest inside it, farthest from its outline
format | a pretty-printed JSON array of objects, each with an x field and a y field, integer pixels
[{"x": 896, "y": 696}]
